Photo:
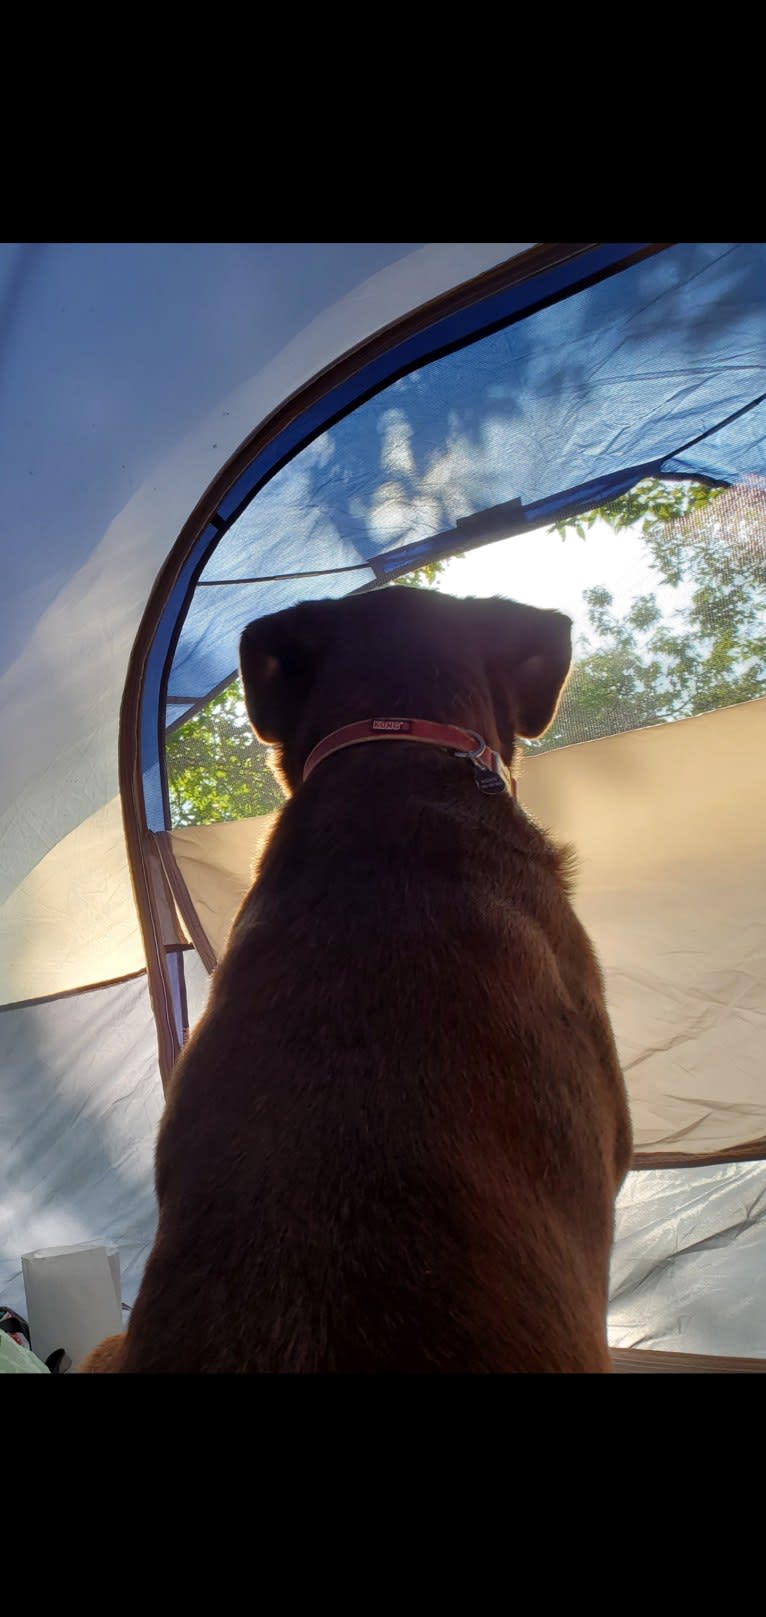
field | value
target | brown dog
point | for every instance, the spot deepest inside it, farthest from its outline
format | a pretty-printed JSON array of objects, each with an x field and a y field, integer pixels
[{"x": 394, "y": 1140}]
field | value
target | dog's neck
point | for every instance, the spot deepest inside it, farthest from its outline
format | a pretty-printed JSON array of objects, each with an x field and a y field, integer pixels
[{"x": 492, "y": 776}]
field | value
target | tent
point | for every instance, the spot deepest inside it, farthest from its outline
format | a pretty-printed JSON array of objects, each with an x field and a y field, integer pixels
[{"x": 195, "y": 434}]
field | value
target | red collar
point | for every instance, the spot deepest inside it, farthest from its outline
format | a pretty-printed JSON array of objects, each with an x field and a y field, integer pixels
[{"x": 491, "y": 773}]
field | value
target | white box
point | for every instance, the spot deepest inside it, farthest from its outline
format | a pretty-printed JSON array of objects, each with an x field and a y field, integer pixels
[{"x": 73, "y": 1297}]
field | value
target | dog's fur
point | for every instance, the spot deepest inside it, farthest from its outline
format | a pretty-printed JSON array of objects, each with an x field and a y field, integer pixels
[{"x": 394, "y": 1140}]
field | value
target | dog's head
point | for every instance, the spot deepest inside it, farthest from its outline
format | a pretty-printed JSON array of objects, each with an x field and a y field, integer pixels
[{"x": 492, "y": 666}]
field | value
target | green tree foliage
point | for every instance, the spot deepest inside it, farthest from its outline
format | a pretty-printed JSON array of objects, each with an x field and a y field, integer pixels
[
  {"x": 645, "y": 668},
  {"x": 216, "y": 768},
  {"x": 650, "y": 504},
  {"x": 426, "y": 575}
]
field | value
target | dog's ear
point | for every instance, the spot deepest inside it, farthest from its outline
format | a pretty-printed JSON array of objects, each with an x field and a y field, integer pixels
[
  {"x": 278, "y": 657},
  {"x": 530, "y": 652}
]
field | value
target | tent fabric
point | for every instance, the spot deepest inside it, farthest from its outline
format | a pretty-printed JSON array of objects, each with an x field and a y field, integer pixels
[
  {"x": 216, "y": 864},
  {"x": 569, "y": 404},
  {"x": 198, "y": 981},
  {"x": 72, "y": 920},
  {"x": 80, "y": 1103},
  {"x": 688, "y": 1261},
  {"x": 667, "y": 823},
  {"x": 130, "y": 373}
]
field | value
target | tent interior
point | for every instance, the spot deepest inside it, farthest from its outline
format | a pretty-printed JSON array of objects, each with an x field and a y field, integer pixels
[{"x": 195, "y": 435}]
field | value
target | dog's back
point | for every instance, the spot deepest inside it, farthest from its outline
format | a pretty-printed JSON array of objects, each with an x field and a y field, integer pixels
[{"x": 395, "y": 1138}]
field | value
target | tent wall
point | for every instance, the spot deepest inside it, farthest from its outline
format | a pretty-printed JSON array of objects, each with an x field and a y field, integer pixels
[
  {"x": 80, "y": 1103},
  {"x": 688, "y": 1261},
  {"x": 668, "y": 827},
  {"x": 72, "y": 921},
  {"x": 130, "y": 374}
]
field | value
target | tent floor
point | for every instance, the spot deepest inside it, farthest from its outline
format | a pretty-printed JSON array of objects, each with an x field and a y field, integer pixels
[{"x": 642, "y": 1361}]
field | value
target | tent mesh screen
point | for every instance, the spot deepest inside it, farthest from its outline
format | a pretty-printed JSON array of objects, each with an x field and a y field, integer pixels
[
  {"x": 676, "y": 628},
  {"x": 692, "y": 642}
]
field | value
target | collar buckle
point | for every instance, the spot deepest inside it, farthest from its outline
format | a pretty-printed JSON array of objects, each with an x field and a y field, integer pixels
[{"x": 492, "y": 777}]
